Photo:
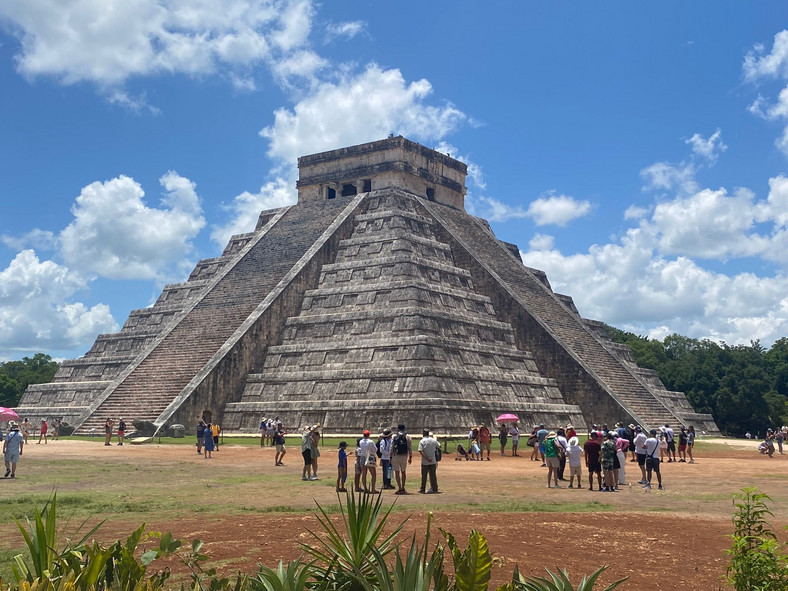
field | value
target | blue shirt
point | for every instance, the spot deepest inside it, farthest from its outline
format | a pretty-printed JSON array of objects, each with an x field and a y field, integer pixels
[{"x": 13, "y": 442}]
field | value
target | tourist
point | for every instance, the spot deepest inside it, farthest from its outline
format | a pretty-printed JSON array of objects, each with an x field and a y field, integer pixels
[
  {"x": 551, "y": 457},
  {"x": 690, "y": 442},
  {"x": 43, "y": 432},
  {"x": 563, "y": 445},
  {"x": 342, "y": 467},
  {"x": 533, "y": 443},
  {"x": 683, "y": 445},
  {"x": 663, "y": 444},
  {"x": 640, "y": 449},
  {"x": 652, "y": 461},
  {"x": 279, "y": 443},
  {"x": 369, "y": 462},
  {"x": 384, "y": 447},
  {"x": 541, "y": 434},
  {"x": 592, "y": 448},
  {"x": 263, "y": 430},
  {"x": 503, "y": 436},
  {"x": 209, "y": 444},
  {"x": 429, "y": 448},
  {"x": 473, "y": 435},
  {"x": 574, "y": 454},
  {"x": 315, "y": 434},
  {"x": 622, "y": 445},
  {"x": 570, "y": 432},
  {"x": 121, "y": 430},
  {"x": 359, "y": 466},
  {"x": 56, "y": 430},
  {"x": 108, "y": 424},
  {"x": 631, "y": 433},
  {"x": 778, "y": 437},
  {"x": 306, "y": 453},
  {"x": 671, "y": 441},
  {"x": 25, "y": 428},
  {"x": 403, "y": 456},
  {"x": 514, "y": 434},
  {"x": 214, "y": 431},
  {"x": 608, "y": 461},
  {"x": 200, "y": 435},
  {"x": 485, "y": 439},
  {"x": 767, "y": 447},
  {"x": 13, "y": 443}
]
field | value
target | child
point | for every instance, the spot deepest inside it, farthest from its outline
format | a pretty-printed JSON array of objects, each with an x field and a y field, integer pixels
[
  {"x": 574, "y": 454},
  {"x": 342, "y": 467}
]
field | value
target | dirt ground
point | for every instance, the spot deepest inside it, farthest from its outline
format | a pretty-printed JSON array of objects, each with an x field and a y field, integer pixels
[{"x": 662, "y": 540}]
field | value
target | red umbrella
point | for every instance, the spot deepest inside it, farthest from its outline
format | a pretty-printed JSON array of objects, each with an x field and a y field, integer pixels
[
  {"x": 508, "y": 418},
  {"x": 6, "y": 414}
]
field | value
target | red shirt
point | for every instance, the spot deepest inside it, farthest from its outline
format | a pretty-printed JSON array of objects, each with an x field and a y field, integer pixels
[
  {"x": 592, "y": 448},
  {"x": 44, "y": 427}
]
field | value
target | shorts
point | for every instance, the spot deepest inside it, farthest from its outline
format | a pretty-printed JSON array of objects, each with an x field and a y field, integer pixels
[
  {"x": 541, "y": 448},
  {"x": 371, "y": 462},
  {"x": 200, "y": 441},
  {"x": 307, "y": 453},
  {"x": 280, "y": 447},
  {"x": 575, "y": 471},
  {"x": 682, "y": 448},
  {"x": 594, "y": 467},
  {"x": 553, "y": 462},
  {"x": 672, "y": 446},
  {"x": 399, "y": 462},
  {"x": 641, "y": 459},
  {"x": 485, "y": 447},
  {"x": 515, "y": 439},
  {"x": 358, "y": 466},
  {"x": 608, "y": 466},
  {"x": 652, "y": 464},
  {"x": 11, "y": 458},
  {"x": 616, "y": 463},
  {"x": 216, "y": 439}
]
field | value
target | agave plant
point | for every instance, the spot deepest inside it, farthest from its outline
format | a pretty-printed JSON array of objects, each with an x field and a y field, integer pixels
[
  {"x": 345, "y": 558},
  {"x": 557, "y": 582},
  {"x": 290, "y": 577}
]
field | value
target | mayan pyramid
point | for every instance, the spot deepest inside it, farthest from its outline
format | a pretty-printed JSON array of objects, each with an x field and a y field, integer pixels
[{"x": 374, "y": 300}]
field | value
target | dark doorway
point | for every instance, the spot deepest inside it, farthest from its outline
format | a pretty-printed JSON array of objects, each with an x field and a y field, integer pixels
[
  {"x": 367, "y": 185},
  {"x": 348, "y": 190},
  {"x": 430, "y": 194},
  {"x": 331, "y": 193}
]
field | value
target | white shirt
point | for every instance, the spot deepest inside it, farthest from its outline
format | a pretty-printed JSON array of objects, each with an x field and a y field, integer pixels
[
  {"x": 652, "y": 447},
  {"x": 668, "y": 434},
  {"x": 574, "y": 453},
  {"x": 385, "y": 448},
  {"x": 428, "y": 445},
  {"x": 640, "y": 441},
  {"x": 368, "y": 448}
]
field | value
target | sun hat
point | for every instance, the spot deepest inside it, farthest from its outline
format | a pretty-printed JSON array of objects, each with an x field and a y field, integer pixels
[
  {"x": 386, "y": 432},
  {"x": 342, "y": 444},
  {"x": 551, "y": 434},
  {"x": 574, "y": 441}
]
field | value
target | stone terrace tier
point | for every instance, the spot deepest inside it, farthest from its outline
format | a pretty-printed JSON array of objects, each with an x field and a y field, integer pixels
[{"x": 395, "y": 332}]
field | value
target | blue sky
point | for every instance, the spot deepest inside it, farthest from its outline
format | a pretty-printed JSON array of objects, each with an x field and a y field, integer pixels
[{"x": 636, "y": 152}]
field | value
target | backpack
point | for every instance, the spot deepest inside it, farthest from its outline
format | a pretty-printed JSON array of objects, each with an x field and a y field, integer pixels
[
  {"x": 438, "y": 454},
  {"x": 400, "y": 445}
]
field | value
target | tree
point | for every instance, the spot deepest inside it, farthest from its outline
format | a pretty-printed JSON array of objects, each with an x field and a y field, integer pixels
[{"x": 39, "y": 369}]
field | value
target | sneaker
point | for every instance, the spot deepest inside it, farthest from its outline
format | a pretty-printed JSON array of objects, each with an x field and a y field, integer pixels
[
  {"x": 692, "y": 461},
  {"x": 660, "y": 487},
  {"x": 642, "y": 482},
  {"x": 647, "y": 485},
  {"x": 557, "y": 485},
  {"x": 13, "y": 475},
  {"x": 7, "y": 472},
  {"x": 570, "y": 486},
  {"x": 313, "y": 477},
  {"x": 304, "y": 478},
  {"x": 422, "y": 492}
]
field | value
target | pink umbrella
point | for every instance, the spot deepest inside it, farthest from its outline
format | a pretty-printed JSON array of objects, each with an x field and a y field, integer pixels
[
  {"x": 6, "y": 414},
  {"x": 508, "y": 418}
]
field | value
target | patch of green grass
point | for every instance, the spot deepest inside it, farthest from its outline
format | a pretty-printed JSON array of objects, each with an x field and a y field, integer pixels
[{"x": 6, "y": 558}]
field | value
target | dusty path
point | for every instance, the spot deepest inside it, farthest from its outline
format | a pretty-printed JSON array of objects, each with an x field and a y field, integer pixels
[{"x": 247, "y": 511}]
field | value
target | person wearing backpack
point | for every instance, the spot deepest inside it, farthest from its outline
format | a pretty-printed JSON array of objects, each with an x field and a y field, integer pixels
[{"x": 401, "y": 457}]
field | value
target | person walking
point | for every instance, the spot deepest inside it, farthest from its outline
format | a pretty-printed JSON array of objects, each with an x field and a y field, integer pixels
[
  {"x": 384, "y": 447},
  {"x": 429, "y": 448},
  {"x": 13, "y": 443},
  {"x": 279, "y": 443},
  {"x": 25, "y": 428},
  {"x": 402, "y": 458},
  {"x": 56, "y": 430},
  {"x": 640, "y": 450}
]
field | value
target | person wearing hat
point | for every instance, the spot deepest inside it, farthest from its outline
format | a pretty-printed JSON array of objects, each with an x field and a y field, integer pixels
[
  {"x": 369, "y": 460},
  {"x": 342, "y": 467},
  {"x": 640, "y": 449},
  {"x": 13, "y": 443},
  {"x": 384, "y": 447},
  {"x": 551, "y": 451},
  {"x": 574, "y": 455},
  {"x": 652, "y": 460}
]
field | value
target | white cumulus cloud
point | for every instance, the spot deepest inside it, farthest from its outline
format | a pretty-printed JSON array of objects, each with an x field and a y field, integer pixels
[
  {"x": 114, "y": 234},
  {"x": 347, "y": 29},
  {"x": 36, "y": 307},
  {"x": 759, "y": 65},
  {"x": 557, "y": 209},
  {"x": 707, "y": 148}
]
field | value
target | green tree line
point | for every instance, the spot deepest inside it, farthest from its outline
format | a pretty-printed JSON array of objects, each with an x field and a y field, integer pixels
[
  {"x": 16, "y": 376},
  {"x": 744, "y": 387}
]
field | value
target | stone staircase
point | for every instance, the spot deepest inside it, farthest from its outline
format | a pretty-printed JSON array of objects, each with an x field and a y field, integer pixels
[
  {"x": 171, "y": 363},
  {"x": 566, "y": 327}
]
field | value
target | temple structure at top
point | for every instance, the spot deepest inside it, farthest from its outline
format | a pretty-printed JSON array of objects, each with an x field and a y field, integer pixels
[{"x": 374, "y": 300}]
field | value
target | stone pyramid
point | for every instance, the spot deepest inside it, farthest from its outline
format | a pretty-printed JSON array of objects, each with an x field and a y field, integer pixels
[{"x": 374, "y": 300}]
